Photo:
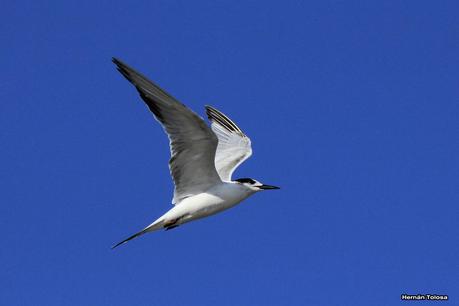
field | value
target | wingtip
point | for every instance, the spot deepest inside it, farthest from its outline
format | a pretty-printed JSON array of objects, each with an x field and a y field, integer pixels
[
  {"x": 215, "y": 115},
  {"x": 116, "y": 61},
  {"x": 122, "y": 68},
  {"x": 129, "y": 73},
  {"x": 209, "y": 107},
  {"x": 120, "y": 65},
  {"x": 209, "y": 110}
]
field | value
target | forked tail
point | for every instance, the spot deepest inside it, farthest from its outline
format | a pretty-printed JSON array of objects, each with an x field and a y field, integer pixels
[{"x": 152, "y": 227}]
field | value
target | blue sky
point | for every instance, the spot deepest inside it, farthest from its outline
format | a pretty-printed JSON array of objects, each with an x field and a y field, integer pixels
[{"x": 352, "y": 107}]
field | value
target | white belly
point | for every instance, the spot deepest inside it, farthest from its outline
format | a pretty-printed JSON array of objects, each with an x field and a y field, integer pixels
[{"x": 213, "y": 201}]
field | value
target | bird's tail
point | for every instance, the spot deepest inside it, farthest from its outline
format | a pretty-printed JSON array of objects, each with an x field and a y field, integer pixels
[{"x": 152, "y": 227}]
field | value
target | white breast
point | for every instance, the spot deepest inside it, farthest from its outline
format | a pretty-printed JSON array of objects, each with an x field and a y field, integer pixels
[{"x": 214, "y": 200}]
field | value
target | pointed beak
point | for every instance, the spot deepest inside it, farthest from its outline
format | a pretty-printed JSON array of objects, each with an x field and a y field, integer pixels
[{"x": 267, "y": 187}]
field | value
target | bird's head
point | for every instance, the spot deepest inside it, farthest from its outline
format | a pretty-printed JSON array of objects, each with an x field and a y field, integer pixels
[{"x": 255, "y": 185}]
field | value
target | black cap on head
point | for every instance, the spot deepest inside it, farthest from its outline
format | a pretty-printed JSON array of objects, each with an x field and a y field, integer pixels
[{"x": 246, "y": 180}]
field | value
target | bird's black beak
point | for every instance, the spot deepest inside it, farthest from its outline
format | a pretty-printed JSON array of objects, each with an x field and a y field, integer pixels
[{"x": 267, "y": 187}]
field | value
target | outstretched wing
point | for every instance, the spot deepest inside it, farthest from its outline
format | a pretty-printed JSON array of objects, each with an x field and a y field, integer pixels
[
  {"x": 192, "y": 143},
  {"x": 234, "y": 147}
]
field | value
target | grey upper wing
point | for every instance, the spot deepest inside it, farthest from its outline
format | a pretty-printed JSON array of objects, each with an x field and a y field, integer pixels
[
  {"x": 193, "y": 145},
  {"x": 234, "y": 147}
]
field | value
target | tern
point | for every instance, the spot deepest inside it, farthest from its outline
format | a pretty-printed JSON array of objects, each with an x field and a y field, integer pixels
[{"x": 202, "y": 158}]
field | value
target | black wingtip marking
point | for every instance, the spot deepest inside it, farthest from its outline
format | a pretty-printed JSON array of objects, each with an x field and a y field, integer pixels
[
  {"x": 120, "y": 65},
  {"x": 128, "y": 72},
  {"x": 215, "y": 115},
  {"x": 122, "y": 68},
  {"x": 151, "y": 105}
]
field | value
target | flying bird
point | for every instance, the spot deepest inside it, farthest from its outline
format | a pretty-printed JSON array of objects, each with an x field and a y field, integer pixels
[{"x": 202, "y": 158}]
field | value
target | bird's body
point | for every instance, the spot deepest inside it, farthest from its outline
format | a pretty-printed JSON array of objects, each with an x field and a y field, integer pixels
[
  {"x": 218, "y": 198},
  {"x": 202, "y": 159}
]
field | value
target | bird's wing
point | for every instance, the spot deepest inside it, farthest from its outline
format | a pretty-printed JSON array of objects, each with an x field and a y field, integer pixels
[
  {"x": 192, "y": 143},
  {"x": 234, "y": 147}
]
